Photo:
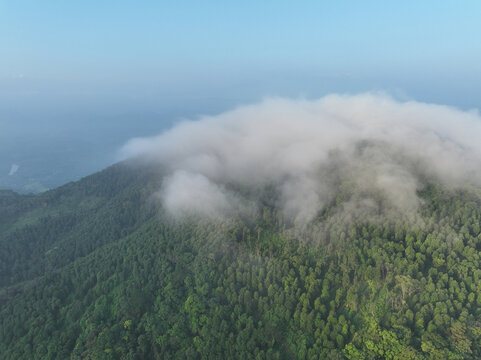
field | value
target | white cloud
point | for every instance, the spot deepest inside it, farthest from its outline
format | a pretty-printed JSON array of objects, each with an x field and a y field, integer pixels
[{"x": 308, "y": 149}]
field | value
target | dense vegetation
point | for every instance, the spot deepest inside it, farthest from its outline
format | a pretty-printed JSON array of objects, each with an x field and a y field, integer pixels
[{"x": 95, "y": 270}]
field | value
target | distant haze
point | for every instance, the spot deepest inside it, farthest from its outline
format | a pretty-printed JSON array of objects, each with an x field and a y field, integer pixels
[
  {"x": 44, "y": 149},
  {"x": 79, "y": 78}
]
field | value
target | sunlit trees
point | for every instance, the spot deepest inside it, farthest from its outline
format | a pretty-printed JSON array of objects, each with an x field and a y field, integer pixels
[{"x": 110, "y": 279}]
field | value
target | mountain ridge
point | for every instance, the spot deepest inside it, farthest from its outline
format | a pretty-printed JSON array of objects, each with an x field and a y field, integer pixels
[{"x": 98, "y": 270}]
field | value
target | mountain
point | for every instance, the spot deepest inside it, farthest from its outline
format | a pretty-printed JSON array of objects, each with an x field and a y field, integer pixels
[{"x": 96, "y": 269}]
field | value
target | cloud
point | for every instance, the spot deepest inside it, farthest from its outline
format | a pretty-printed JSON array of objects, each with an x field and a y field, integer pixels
[
  {"x": 368, "y": 152},
  {"x": 189, "y": 194}
]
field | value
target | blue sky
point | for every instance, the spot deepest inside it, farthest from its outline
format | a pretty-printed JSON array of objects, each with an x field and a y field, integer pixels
[
  {"x": 88, "y": 75},
  {"x": 143, "y": 51}
]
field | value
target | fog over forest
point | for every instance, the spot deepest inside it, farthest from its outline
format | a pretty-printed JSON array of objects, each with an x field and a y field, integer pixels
[{"x": 383, "y": 149}]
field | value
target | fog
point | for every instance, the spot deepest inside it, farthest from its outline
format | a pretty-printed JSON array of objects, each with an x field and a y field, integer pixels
[{"x": 369, "y": 153}]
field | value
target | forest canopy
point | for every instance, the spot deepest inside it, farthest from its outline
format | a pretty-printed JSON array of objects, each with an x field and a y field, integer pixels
[{"x": 97, "y": 270}]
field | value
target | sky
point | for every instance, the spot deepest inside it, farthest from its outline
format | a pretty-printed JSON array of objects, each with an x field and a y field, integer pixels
[{"x": 70, "y": 67}]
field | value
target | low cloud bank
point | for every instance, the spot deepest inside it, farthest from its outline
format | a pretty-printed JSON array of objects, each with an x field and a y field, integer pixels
[{"x": 369, "y": 148}]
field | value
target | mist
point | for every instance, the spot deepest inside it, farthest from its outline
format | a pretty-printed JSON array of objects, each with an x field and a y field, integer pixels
[{"x": 369, "y": 153}]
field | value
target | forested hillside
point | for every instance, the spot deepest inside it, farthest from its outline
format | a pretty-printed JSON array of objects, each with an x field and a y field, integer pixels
[{"x": 96, "y": 270}]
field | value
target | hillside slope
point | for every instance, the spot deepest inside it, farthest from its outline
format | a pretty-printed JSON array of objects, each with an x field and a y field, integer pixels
[{"x": 95, "y": 270}]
